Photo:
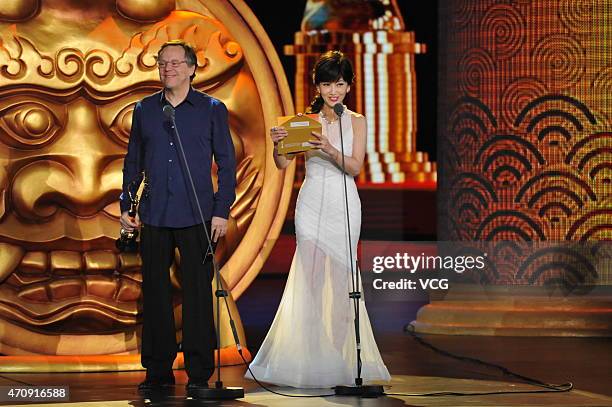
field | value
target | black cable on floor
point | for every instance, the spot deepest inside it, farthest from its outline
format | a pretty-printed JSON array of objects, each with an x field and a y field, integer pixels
[
  {"x": 16, "y": 381},
  {"x": 549, "y": 388},
  {"x": 276, "y": 392},
  {"x": 459, "y": 394}
]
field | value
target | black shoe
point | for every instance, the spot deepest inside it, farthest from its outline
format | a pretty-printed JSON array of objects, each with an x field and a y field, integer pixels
[
  {"x": 194, "y": 387},
  {"x": 156, "y": 383}
]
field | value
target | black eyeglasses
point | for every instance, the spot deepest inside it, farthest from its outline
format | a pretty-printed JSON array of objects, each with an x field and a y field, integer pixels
[{"x": 173, "y": 64}]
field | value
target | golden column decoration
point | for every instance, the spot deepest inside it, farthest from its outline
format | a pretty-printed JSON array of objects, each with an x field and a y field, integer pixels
[{"x": 372, "y": 35}]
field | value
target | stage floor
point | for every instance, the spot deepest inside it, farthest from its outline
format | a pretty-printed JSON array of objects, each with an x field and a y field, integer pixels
[
  {"x": 586, "y": 362},
  {"x": 119, "y": 389}
]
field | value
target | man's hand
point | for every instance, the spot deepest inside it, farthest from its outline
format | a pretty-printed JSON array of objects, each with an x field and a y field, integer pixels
[
  {"x": 128, "y": 222},
  {"x": 219, "y": 228}
]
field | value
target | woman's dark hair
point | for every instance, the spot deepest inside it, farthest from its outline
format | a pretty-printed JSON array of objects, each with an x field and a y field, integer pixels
[
  {"x": 331, "y": 67},
  {"x": 190, "y": 53}
]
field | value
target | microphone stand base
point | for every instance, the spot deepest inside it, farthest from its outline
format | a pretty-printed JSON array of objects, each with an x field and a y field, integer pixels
[
  {"x": 373, "y": 391},
  {"x": 217, "y": 393}
]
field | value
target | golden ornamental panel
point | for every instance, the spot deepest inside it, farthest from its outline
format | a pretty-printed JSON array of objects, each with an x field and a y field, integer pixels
[{"x": 69, "y": 78}]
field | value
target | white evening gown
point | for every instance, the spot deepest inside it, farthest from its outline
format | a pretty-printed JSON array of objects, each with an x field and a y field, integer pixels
[{"x": 311, "y": 342}]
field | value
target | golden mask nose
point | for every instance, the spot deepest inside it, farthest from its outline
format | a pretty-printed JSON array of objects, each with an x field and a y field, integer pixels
[
  {"x": 79, "y": 172},
  {"x": 43, "y": 187}
]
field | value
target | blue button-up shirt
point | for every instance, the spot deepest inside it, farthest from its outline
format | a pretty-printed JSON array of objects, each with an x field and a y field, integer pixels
[{"x": 167, "y": 199}]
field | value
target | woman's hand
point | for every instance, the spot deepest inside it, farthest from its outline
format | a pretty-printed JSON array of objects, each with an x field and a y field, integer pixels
[
  {"x": 323, "y": 144},
  {"x": 277, "y": 133}
]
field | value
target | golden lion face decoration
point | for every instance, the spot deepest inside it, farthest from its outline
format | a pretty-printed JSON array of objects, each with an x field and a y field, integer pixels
[{"x": 69, "y": 78}]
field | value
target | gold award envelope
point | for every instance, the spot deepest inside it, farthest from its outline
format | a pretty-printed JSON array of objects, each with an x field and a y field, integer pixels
[{"x": 299, "y": 129}]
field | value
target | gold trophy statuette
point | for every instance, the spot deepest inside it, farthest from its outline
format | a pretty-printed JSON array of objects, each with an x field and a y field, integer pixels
[{"x": 127, "y": 242}]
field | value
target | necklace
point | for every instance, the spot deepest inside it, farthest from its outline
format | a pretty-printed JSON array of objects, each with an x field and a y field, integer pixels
[{"x": 326, "y": 119}]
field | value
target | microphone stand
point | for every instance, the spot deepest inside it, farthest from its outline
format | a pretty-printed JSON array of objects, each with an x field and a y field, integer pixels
[
  {"x": 219, "y": 392},
  {"x": 369, "y": 391}
]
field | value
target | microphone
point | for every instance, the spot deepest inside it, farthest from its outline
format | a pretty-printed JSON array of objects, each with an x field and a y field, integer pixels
[
  {"x": 338, "y": 108},
  {"x": 169, "y": 112}
]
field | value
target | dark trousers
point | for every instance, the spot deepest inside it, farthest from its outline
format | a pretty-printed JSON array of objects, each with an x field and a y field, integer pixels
[{"x": 159, "y": 348}]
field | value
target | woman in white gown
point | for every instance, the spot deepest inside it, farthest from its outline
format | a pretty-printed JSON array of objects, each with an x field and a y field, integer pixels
[{"x": 311, "y": 342}]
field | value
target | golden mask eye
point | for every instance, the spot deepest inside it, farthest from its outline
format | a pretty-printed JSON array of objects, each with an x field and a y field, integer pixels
[
  {"x": 122, "y": 124},
  {"x": 28, "y": 124}
]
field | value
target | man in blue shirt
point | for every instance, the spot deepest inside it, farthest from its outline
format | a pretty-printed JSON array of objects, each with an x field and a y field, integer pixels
[{"x": 169, "y": 216}]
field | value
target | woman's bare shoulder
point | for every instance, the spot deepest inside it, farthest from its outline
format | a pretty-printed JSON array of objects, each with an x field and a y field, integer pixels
[{"x": 356, "y": 117}]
